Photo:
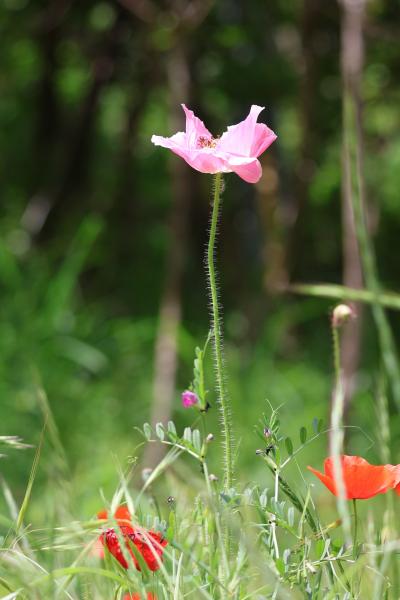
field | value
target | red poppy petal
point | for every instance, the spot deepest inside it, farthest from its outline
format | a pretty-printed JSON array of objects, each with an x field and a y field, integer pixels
[
  {"x": 366, "y": 481},
  {"x": 362, "y": 480},
  {"x": 150, "y": 545},
  {"x": 111, "y": 541},
  {"x": 122, "y": 514},
  {"x": 347, "y": 461},
  {"x": 354, "y": 461},
  {"x": 325, "y": 479},
  {"x": 137, "y": 596}
]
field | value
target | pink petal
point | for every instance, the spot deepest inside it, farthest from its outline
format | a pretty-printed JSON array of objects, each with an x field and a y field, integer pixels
[
  {"x": 237, "y": 149},
  {"x": 206, "y": 162},
  {"x": 249, "y": 171},
  {"x": 263, "y": 138},
  {"x": 175, "y": 142},
  {"x": 202, "y": 160},
  {"x": 239, "y": 139},
  {"x": 194, "y": 128}
]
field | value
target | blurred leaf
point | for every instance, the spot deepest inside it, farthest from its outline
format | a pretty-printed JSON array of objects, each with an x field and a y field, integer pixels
[
  {"x": 289, "y": 445},
  {"x": 303, "y": 435}
]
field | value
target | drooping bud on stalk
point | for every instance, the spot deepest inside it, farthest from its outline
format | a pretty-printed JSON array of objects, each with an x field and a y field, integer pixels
[{"x": 341, "y": 314}]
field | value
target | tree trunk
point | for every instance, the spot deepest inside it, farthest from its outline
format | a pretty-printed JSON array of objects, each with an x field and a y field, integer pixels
[
  {"x": 351, "y": 65},
  {"x": 165, "y": 361}
]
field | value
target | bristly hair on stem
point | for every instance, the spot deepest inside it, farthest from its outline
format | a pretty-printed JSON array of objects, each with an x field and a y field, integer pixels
[{"x": 216, "y": 326}]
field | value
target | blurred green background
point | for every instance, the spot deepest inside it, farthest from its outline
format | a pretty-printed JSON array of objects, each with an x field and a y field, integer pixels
[{"x": 103, "y": 291}]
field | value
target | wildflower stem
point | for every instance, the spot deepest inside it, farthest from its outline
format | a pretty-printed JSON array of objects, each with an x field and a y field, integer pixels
[
  {"x": 223, "y": 399},
  {"x": 355, "y": 529},
  {"x": 336, "y": 441},
  {"x": 273, "y": 520}
]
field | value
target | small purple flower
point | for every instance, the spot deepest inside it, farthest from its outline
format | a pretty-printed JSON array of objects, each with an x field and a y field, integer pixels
[{"x": 189, "y": 399}]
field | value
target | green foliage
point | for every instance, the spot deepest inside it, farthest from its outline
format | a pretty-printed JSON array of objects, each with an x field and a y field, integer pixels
[
  {"x": 279, "y": 543},
  {"x": 85, "y": 240}
]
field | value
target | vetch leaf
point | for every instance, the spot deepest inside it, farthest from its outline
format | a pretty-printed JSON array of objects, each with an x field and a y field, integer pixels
[
  {"x": 289, "y": 445},
  {"x": 303, "y": 435},
  {"x": 171, "y": 427},
  {"x": 196, "y": 440},
  {"x": 317, "y": 425},
  {"x": 187, "y": 435},
  {"x": 160, "y": 431},
  {"x": 147, "y": 430}
]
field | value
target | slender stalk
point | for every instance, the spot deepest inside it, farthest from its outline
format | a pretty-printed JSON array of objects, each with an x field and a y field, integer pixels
[
  {"x": 355, "y": 529},
  {"x": 223, "y": 399},
  {"x": 273, "y": 520},
  {"x": 336, "y": 441}
]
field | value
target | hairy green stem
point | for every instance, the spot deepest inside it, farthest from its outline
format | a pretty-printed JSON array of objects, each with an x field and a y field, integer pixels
[{"x": 223, "y": 399}]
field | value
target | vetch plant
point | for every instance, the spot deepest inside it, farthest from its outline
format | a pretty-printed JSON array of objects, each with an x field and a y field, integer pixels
[{"x": 236, "y": 150}]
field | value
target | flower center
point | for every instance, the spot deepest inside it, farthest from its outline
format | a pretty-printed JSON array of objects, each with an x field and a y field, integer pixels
[{"x": 205, "y": 142}]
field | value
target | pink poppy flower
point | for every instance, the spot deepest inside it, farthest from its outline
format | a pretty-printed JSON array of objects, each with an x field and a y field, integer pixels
[{"x": 237, "y": 150}]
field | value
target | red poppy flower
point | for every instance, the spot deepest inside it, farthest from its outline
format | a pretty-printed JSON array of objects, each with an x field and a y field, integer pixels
[
  {"x": 121, "y": 515},
  {"x": 149, "y": 543},
  {"x": 361, "y": 480},
  {"x": 137, "y": 596}
]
